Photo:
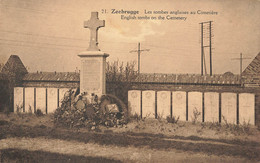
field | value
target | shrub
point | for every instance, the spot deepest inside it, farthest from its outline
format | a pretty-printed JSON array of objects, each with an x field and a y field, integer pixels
[
  {"x": 172, "y": 119},
  {"x": 38, "y": 113},
  {"x": 195, "y": 116},
  {"x": 19, "y": 108},
  {"x": 237, "y": 129},
  {"x": 30, "y": 110},
  {"x": 119, "y": 77},
  {"x": 134, "y": 117},
  {"x": 77, "y": 111},
  {"x": 6, "y": 111}
]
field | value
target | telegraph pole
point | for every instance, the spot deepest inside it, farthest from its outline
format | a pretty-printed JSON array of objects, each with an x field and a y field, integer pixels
[
  {"x": 210, "y": 51},
  {"x": 202, "y": 49},
  {"x": 241, "y": 64},
  {"x": 209, "y": 45},
  {"x": 241, "y": 61},
  {"x": 139, "y": 54}
]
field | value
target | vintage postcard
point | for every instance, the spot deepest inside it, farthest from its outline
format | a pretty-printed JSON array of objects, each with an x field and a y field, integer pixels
[{"x": 129, "y": 81}]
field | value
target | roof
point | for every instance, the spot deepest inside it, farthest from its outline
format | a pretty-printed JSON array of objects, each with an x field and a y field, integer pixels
[
  {"x": 253, "y": 69},
  {"x": 191, "y": 78},
  {"x": 14, "y": 65},
  {"x": 52, "y": 76},
  {"x": 251, "y": 75},
  {"x": 150, "y": 78}
]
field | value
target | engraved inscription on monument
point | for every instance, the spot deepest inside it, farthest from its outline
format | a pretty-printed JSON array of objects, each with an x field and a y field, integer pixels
[{"x": 92, "y": 74}]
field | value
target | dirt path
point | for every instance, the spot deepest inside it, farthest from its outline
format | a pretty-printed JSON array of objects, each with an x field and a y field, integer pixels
[{"x": 125, "y": 154}]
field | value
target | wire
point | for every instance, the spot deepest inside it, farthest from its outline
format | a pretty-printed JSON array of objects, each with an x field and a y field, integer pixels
[
  {"x": 37, "y": 46},
  {"x": 38, "y": 35},
  {"x": 40, "y": 43}
]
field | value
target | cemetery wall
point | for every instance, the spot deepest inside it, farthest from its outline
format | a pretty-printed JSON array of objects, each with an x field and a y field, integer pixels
[
  {"x": 122, "y": 92},
  {"x": 120, "y": 89}
]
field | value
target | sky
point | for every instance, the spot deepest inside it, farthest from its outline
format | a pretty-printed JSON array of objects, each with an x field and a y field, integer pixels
[{"x": 49, "y": 34}]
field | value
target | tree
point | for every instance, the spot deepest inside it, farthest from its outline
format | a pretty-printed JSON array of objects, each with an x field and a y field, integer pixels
[{"x": 119, "y": 78}]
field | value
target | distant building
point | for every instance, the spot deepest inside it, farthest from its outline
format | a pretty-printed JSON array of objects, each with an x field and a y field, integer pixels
[{"x": 251, "y": 75}]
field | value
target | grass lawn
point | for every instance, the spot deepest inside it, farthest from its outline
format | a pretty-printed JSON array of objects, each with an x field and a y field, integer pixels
[{"x": 157, "y": 139}]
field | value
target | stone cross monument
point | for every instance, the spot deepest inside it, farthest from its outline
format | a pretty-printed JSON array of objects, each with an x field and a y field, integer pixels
[
  {"x": 93, "y": 61},
  {"x": 94, "y": 24}
]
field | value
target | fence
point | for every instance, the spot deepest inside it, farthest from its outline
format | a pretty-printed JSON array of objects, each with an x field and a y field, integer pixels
[
  {"x": 29, "y": 99},
  {"x": 188, "y": 106}
]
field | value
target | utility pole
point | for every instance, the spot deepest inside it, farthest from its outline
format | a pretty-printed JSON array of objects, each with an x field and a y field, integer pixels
[
  {"x": 241, "y": 64},
  {"x": 139, "y": 54},
  {"x": 209, "y": 45},
  {"x": 210, "y": 51},
  {"x": 202, "y": 49}
]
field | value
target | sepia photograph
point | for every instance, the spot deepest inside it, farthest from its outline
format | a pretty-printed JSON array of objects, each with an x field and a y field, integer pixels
[{"x": 129, "y": 81}]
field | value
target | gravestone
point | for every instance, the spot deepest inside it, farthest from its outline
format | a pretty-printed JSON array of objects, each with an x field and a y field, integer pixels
[
  {"x": 179, "y": 105},
  {"x": 18, "y": 99},
  {"x": 163, "y": 104},
  {"x": 229, "y": 108},
  {"x": 247, "y": 108},
  {"x": 62, "y": 93},
  {"x": 134, "y": 102},
  {"x": 148, "y": 104},
  {"x": 195, "y": 106},
  {"x": 41, "y": 99},
  {"x": 29, "y": 100},
  {"x": 211, "y": 107},
  {"x": 93, "y": 61},
  {"x": 52, "y": 99}
]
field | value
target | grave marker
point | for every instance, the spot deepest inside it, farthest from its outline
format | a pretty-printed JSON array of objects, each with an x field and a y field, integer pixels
[
  {"x": 52, "y": 100},
  {"x": 211, "y": 107},
  {"x": 195, "y": 106},
  {"x": 29, "y": 100},
  {"x": 229, "y": 108},
  {"x": 148, "y": 104},
  {"x": 163, "y": 104},
  {"x": 247, "y": 108},
  {"x": 41, "y": 99},
  {"x": 179, "y": 105},
  {"x": 62, "y": 93},
  {"x": 18, "y": 99},
  {"x": 134, "y": 102}
]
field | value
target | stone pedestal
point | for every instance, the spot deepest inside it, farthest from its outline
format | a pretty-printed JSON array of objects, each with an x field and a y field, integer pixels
[{"x": 93, "y": 72}]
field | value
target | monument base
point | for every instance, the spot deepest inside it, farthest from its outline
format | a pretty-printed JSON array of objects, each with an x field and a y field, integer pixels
[{"x": 93, "y": 72}]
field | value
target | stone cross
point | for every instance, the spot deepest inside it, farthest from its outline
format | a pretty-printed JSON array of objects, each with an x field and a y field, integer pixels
[{"x": 94, "y": 24}]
